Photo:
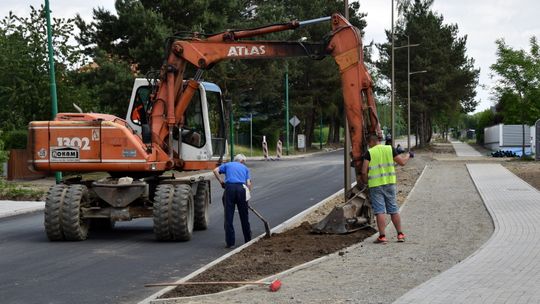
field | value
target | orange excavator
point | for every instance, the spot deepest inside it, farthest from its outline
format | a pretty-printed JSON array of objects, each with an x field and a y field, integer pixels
[{"x": 174, "y": 123}]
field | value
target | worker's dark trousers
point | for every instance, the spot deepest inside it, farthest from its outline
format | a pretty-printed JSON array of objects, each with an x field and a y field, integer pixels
[{"x": 235, "y": 195}]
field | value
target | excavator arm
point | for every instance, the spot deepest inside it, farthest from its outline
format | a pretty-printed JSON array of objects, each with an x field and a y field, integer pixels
[{"x": 344, "y": 45}]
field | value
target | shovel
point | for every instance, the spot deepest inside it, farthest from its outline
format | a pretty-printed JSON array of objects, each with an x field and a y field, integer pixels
[
  {"x": 266, "y": 226},
  {"x": 272, "y": 286}
]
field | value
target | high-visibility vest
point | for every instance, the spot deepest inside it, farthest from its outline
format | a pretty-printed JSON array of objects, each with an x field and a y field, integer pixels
[{"x": 381, "y": 166}]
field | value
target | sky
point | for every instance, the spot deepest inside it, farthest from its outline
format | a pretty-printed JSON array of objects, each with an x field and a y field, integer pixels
[{"x": 483, "y": 21}]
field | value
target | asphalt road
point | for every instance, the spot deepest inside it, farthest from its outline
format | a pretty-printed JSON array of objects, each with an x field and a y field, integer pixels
[{"x": 113, "y": 267}]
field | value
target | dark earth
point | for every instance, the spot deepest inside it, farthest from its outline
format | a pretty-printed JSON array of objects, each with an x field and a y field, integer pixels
[{"x": 269, "y": 256}]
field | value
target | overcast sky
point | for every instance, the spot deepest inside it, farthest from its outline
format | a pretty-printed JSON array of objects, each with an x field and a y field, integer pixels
[{"x": 483, "y": 21}]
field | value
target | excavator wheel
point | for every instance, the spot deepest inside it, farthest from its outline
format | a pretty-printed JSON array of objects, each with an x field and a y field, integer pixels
[
  {"x": 162, "y": 201},
  {"x": 74, "y": 227},
  {"x": 53, "y": 209},
  {"x": 173, "y": 213},
  {"x": 201, "y": 202}
]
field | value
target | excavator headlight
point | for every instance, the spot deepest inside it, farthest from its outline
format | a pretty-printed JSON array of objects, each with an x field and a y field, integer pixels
[{"x": 153, "y": 167}]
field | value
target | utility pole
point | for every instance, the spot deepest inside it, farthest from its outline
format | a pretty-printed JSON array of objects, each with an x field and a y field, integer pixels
[
  {"x": 409, "y": 107},
  {"x": 251, "y": 134},
  {"x": 409, "y": 94},
  {"x": 287, "y": 107},
  {"x": 320, "y": 133},
  {"x": 54, "y": 101},
  {"x": 231, "y": 128},
  {"x": 392, "y": 85},
  {"x": 347, "y": 140},
  {"x": 408, "y": 46}
]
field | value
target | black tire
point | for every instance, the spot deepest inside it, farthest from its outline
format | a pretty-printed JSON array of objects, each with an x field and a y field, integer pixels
[
  {"x": 201, "y": 202},
  {"x": 101, "y": 224},
  {"x": 173, "y": 213},
  {"x": 74, "y": 227},
  {"x": 183, "y": 213},
  {"x": 162, "y": 200},
  {"x": 53, "y": 209}
]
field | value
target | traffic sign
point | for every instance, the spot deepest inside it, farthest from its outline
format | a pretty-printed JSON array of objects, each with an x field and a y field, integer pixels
[
  {"x": 301, "y": 141},
  {"x": 245, "y": 119},
  {"x": 294, "y": 121}
]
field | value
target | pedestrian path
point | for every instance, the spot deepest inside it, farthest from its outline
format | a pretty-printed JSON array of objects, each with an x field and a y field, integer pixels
[
  {"x": 9, "y": 208},
  {"x": 507, "y": 268},
  {"x": 464, "y": 150}
]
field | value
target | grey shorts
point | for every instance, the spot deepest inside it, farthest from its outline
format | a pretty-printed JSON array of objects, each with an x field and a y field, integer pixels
[{"x": 383, "y": 199}]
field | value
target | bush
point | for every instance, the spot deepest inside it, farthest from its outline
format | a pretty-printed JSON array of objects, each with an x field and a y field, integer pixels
[{"x": 15, "y": 139}]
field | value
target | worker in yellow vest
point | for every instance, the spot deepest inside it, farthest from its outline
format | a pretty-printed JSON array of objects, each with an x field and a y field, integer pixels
[{"x": 378, "y": 171}]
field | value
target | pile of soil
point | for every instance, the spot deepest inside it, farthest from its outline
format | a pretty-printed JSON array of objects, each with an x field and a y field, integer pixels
[
  {"x": 269, "y": 256},
  {"x": 528, "y": 171}
]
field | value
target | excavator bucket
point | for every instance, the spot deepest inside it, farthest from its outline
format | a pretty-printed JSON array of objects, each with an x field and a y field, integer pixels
[{"x": 355, "y": 214}]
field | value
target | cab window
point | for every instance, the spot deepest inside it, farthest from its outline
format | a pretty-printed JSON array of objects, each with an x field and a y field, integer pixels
[
  {"x": 216, "y": 119},
  {"x": 193, "y": 129},
  {"x": 138, "y": 111}
]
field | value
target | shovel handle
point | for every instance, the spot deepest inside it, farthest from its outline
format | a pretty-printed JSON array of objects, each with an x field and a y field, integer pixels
[
  {"x": 208, "y": 283},
  {"x": 266, "y": 226}
]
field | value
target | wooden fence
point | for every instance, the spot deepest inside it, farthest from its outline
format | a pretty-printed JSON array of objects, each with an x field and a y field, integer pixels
[{"x": 18, "y": 166}]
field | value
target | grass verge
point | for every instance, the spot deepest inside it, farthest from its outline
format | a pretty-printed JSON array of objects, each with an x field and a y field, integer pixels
[{"x": 17, "y": 192}]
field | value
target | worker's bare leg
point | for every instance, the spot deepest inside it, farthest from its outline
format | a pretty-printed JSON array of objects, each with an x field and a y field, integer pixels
[
  {"x": 396, "y": 220},
  {"x": 381, "y": 223}
]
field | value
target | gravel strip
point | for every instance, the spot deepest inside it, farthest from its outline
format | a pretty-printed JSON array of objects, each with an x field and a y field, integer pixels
[{"x": 443, "y": 226}]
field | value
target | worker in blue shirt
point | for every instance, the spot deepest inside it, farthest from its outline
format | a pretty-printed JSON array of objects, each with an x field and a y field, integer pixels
[{"x": 237, "y": 182}]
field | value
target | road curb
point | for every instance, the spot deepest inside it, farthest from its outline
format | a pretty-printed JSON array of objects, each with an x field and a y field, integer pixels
[
  {"x": 10, "y": 213},
  {"x": 296, "y": 156}
]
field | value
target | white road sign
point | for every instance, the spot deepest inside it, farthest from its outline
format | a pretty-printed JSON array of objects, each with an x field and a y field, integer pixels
[{"x": 294, "y": 121}]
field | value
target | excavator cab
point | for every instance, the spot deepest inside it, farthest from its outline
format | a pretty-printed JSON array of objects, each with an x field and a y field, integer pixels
[{"x": 202, "y": 136}]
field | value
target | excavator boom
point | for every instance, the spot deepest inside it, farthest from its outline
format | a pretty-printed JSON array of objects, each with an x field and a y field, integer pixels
[{"x": 345, "y": 46}]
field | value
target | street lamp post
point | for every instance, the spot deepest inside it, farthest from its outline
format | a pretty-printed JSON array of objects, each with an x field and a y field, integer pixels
[
  {"x": 231, "y": 126},
  {"x": 54, "y": 102},
  {"x": 287, "y": 107},
  {"x": 347, "y": 140},
  {"x": 409, "y": 105},
  {"x": 392, "y": 86},
  {"x": 408, "y": 46}
]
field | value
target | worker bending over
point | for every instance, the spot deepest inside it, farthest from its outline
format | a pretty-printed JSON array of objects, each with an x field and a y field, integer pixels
[{"x": 237, "y": 181}]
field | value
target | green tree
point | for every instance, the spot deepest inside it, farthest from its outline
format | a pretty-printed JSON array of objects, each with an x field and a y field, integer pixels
[
  {"x": 106, "y": 84},
  {"x": 448, "y": 87},
  {"x": 518, "y": 84},
  {"x": 24, "y": 78}
]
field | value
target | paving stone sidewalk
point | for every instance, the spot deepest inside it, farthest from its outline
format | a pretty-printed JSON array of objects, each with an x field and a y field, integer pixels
[
  {"x": 464, "y": 150},
  {"x": 507, "y": 268}
]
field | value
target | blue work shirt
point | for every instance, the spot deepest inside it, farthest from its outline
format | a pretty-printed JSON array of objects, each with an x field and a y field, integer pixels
[{"x": 235, "y": 173}]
